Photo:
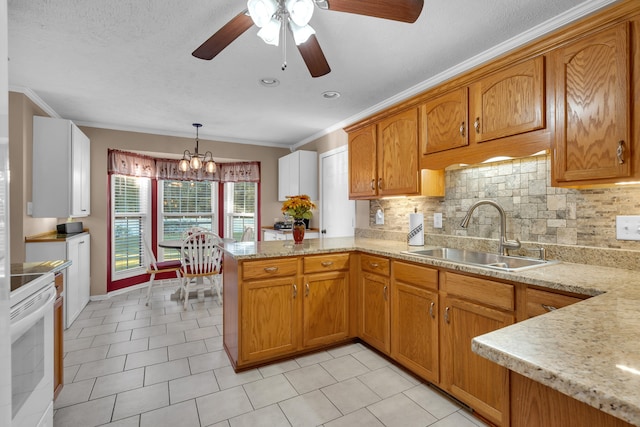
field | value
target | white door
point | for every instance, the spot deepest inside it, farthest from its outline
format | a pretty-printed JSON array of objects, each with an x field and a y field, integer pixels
[{"x": 338, "y": 213}]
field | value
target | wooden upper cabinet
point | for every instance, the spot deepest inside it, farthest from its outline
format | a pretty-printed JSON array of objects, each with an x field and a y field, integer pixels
[
  {"x": 398, "y": 154},
  {"x": 362, "y": 163},
  {"x": 444, "y": 122},
  {"x": 508, "y": 102},
  {"x": 593, "y": 142}
]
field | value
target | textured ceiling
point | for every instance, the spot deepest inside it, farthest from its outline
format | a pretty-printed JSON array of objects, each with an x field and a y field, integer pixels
[{"x": 127, "y": 64}]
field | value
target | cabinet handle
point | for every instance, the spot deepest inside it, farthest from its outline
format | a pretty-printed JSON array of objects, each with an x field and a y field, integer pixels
[
  {"x": 384, "y": 292},
  {"x": 462, "y": 129},
  {"x": 431, "y": 313},
  {"x": 326, "y": 263},
  {"x": 373, "y": 184},
  {"x": 295, "y": 290},
  {"x": 620, "y": 152},
  {"x": 476, "y": 124},
  {"x": 271, "y": 269},
  {"x": 306, "y": 290},
  {"x": 373, "y": 264},
  {"x": 446, "y": 315},
  {"x": 379, "y": 183},
  {"x": 549, "y": 307}
]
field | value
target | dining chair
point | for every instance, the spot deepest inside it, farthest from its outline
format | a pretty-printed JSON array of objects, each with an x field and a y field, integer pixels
[
  {"x": 247, "y": 235},
  {"x": 201, "y": 258},
  {"x": 154, "y": 267}
]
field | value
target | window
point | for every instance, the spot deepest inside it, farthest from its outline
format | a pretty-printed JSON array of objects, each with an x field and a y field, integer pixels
[
  {"x": 130, "y": 198},
  {"x": 240, "y": 207},
  {"x": 185, "y": 204}
]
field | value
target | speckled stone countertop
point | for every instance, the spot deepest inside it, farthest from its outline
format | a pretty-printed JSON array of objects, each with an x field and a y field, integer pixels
[
  {"x": 39, "y": 267},
  {"x": 589, "y": 350}
]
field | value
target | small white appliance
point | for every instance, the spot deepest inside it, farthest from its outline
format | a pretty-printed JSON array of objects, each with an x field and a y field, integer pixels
[{"x": 31, "y": 316}]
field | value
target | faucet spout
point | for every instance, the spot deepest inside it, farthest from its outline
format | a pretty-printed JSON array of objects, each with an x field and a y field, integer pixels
[{"x": 504, "y": 244}]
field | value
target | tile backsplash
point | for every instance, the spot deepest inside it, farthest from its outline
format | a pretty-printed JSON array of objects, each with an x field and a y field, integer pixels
[{"x": 536, "y": 212}]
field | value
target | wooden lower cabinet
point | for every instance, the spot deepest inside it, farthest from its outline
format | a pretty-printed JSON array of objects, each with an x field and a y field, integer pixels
[
  {"x": 414, "y": 319},
  {"x": 58, "y": 346},
  {"x": 375, "y": 325},
  {"x": 467, "y": 311},
  {"x": 534, "y": 405}
]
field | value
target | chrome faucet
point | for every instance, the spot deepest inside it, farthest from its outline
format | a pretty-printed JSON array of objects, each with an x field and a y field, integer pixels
[{"x": 504, "y": 244}]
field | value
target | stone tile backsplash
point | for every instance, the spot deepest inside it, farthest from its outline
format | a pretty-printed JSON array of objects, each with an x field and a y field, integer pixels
[{"x": 536, "y": 212}]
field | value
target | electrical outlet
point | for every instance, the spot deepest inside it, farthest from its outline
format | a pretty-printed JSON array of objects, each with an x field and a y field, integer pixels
[
  {"x": 628, "y": 227},
  {"x": 437, "y": 220},
  {"x": 379, "y": 217}
]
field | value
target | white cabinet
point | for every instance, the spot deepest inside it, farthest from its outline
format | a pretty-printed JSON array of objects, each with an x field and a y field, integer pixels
[
  {"x": 270, "y": 235},
  {"x": 61, "y": 169},
  {"x": 76, "y": 249},
  {"x": 298, "y": 174}
]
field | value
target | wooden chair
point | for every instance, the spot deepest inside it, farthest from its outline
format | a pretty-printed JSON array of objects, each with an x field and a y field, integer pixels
[
  {"x": 154, "y": 267},
  {"x": 201, "y": 258}
]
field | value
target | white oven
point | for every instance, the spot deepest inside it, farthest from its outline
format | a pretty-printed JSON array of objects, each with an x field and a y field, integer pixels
[{"x": 32, "y": 353}]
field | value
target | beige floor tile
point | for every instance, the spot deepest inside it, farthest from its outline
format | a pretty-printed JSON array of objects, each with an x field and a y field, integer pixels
[
  {"x": 133, "y": 324},
  {"x": 166, "y": 371},
  {"x": 432, "y": 400},
  {"x": 400, "y": 411},
  {"x": 222, "y": 405},
  {"x": 350, "y": 395},
  {"x": 107, "y": 312},
  {"x": 98, "y": 330},
  {"x": 86, "y": 323},
  {"x": 196, "y": 314},
  {"x": 166, "y": 340},
  {"x": 69, "y": 373},
  {"x": 126, "y": 422},
  {"x": 386, "y": 382},
  {"x": 192, "y": 386},
  {"x": 454, "y": 420},
  {"x": 77, "y": 344},
  {"x": 149, "y": 331},
  {"x": 208, "y": 361},
  {"x": 313, "y": 358},
  {"x": 309, "y": 410},
  {"x": 119, "y": 318},
  {"x": 271, "y": 416},
  {"x": 227, "y": 378},
  {"x": 370, "y": 359},
  {"x": 308, "y": 378},
  {"x": 183, "y": 325},
  {"x": 179, "y": 351},
  {"x": 360, "y": 418},
  {"x": 127, "y": 347},
  {"x": 91, "y": 413},
  {"x": 183, "y": 414},
  {"x": 344, "y": 367},
  {"x": 117, "y": 383},
  {"x": 146, "y": 358},
  {"x": 141, "y": 400},
  {"x": 214, "y": 344},
  {"x": 74, "y": 393},
  {"x": 111, "y": 338},
  {"x": 268, "y": 391},
  {"x": 468, "y": 415},
  {"x": 165, "y": 318},
  {"x": 100, "y": 368},
  {"x": 278, "y": 368},
  {"x": 346, "y": 349},
  {"x": 203, "y": 332}
]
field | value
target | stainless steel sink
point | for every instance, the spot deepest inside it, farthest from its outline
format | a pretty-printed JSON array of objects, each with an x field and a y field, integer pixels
[{"x": 482, "y": 259}]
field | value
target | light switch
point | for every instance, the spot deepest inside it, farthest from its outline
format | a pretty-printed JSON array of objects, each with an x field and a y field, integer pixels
[
  {"x": 628, "y": 227},
  {"x": 437, "y": 220}
]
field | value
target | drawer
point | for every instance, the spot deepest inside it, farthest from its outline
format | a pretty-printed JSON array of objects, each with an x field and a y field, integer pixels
[
  {"x": 540, "y": 302},
  {"x": 374, "y": 264},
  {"x": 484, "y": 291},
  {"x": 423, "y": 277},
  {"x": 277, "y": 267},
  {"x": 331, "y": 262},
  {"x": 59, "y": 283}
]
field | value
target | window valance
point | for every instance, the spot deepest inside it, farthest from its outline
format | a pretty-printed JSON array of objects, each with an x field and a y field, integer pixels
[{"x": 132, "y": 164}]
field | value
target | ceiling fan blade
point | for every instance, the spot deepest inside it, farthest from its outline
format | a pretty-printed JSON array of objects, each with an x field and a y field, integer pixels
[
  {"x": 397, "y": 10},
  {"x": 224, "y": 36},
  {"x": 314, "y": 57}
]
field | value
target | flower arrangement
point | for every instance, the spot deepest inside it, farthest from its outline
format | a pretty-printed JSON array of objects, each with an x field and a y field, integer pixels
[{"x": 299, "y": 207}]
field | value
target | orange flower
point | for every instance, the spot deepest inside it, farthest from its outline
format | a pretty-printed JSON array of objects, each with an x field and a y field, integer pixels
[{"x": 299, "y": 207}]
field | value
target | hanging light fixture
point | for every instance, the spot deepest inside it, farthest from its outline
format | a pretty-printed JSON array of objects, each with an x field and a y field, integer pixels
[
  {"x": 196, "y": 160},
  {"x": 273, "y": 16}
]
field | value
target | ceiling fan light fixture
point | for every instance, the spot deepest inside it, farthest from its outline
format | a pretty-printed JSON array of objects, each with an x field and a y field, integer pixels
[
  {"x": 270, "y": 33},
  {"x": 301, "y": 34},
  {"x": 261, "y": 11},
  {"x": 300, "y": 11}
]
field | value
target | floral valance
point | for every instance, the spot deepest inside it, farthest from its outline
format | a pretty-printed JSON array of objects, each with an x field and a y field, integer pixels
[{"x": 131, "y": 164}]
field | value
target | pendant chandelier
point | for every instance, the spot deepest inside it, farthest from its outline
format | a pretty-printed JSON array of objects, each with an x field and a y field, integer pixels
[{"x": 195, "y": 160}]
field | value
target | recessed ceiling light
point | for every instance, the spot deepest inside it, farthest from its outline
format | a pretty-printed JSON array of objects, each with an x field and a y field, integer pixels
[
  {"x": 331, "y": 94},
  {"x": 269, "y": 82}
]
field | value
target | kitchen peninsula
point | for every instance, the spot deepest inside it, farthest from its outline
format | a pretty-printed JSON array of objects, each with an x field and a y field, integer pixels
[{"x": 588, "y": 350}]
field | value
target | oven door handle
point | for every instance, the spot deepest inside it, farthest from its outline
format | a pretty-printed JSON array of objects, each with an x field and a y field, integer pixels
[{"x": 22, "y": 324}]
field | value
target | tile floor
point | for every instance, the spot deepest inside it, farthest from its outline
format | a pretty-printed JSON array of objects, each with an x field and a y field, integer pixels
[{"x": 127, "y": 364}]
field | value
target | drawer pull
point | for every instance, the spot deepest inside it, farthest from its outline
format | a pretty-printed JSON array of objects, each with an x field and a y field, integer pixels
[
  {"x": 384, "y": 292},
  {"x": 373, "y": 264},
  {"x": 462, "y": 129},
  {"x": 373, "y": 184},
  {"x": 620, "y": 152},
  {"x": 549, "y": 307},
  {"x": 295, "y": 290},
  {"x": 379, "y": 183},
  {"x": 306, "y": 290},
  {"x": 431, "y": 313},
  {"x": 476, "y": 124},
  {"x": 271, "y": 269},
  {"x": 326, "y": 263},
  {"x": 446, "y": 315}
]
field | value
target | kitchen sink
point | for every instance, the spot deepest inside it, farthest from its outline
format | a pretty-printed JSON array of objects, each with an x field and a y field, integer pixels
[{"x": 482, "y": 259}]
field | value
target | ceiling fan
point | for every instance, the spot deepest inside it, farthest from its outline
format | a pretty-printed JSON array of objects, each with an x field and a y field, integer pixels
[{"x": 274, "y": 17}]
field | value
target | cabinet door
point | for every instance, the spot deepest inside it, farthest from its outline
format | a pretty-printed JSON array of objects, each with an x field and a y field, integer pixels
[
  {"x": 445, "y": 124},
  {"x": 284, "y": 180},
  {"x": 414, "y": 329},
  {"x": 72, "y": 289},
  {"x": 478, "y": 382},
  {"x": 592, "y": 107},
  {"x": 80, "y": 173},
  {"x": 362, "y": 163},
  {"x": 325, "y": 308},
  {"x": 398, "y": 154},
  {"x": 375, "y": 327},
  {"x": 84, "y": 270},
  {"x": 270, "y": 318},
  {"x": 508, "y": 102}
]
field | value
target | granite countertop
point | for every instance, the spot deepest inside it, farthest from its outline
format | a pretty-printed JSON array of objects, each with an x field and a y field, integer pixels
[
  {"x": 589, "y": 350},
  {"x": 52, "y": 237},
  {"x": 39, "y": 267}
]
